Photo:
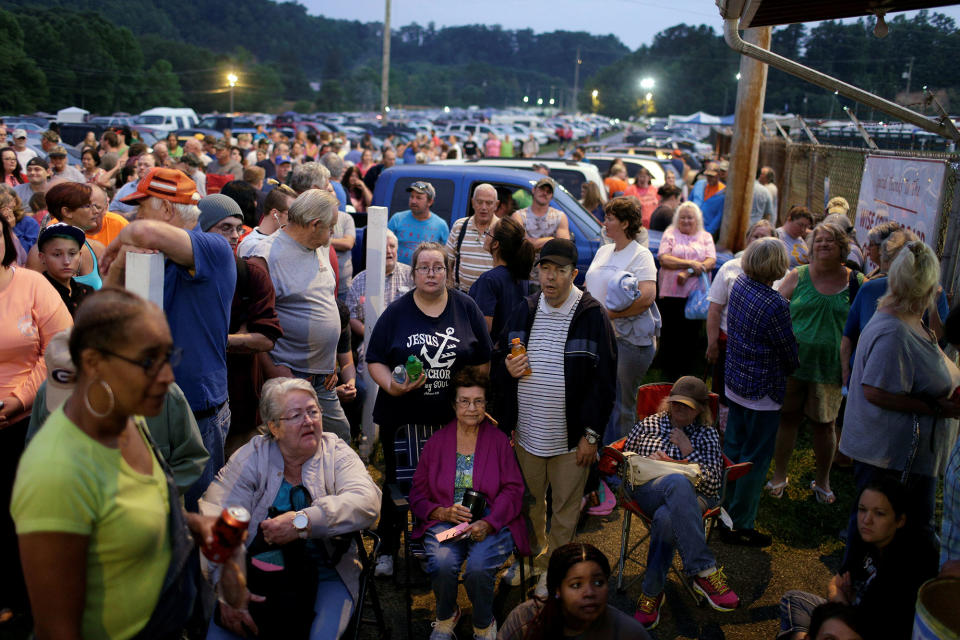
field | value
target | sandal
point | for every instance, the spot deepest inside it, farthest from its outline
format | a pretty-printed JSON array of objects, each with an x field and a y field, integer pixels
[
  {"x": 823, "y": 497},
  {"x": 776, "y": 490}
]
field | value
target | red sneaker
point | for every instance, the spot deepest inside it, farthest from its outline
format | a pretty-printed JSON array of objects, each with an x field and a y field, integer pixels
[
  {"x": 715, "y": 589},
  {"x": 648, "y": 610}
]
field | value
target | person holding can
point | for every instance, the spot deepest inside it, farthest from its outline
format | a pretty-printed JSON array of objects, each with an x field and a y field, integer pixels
[
  {"x": 99, "y": 519},
  {"x": 476, "y": 456},
  {"x": 301, "y": 487}
]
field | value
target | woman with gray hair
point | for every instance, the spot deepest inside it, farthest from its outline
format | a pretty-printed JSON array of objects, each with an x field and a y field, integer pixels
[
  {"x": 686, "y": 251},
  {"x": 820, "y": 294},
  {"x": 298, "y": 484},
  {"x": 899, "y": 410},
  {"x": 761, "y": 353}
]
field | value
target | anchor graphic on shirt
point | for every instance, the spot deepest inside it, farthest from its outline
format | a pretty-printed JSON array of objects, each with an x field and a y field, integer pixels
[{"x": 439, "y": 361}]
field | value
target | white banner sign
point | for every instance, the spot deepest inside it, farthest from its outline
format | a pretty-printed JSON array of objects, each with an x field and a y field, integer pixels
[{"x": 905, "y": 190}]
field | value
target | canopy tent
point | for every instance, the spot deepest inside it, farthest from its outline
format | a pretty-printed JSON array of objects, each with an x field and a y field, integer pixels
[{"x": 72, "y": 114}]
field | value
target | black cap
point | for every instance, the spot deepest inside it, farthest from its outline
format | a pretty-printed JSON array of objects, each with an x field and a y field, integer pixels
[{"x": 559, "y": 251}]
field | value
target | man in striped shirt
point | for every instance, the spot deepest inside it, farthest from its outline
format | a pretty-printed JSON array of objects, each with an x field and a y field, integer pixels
[
  {"x": 467, "y": 258},
  {"x": 560, "y": 408}
]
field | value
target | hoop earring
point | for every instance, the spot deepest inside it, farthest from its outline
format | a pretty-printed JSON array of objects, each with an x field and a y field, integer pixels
[{"x": 94, "y": 412}]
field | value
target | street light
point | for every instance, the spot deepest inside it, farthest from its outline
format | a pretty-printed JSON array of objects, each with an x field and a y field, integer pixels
[
  {"x": 595, "y": 94},
  {"x": 232, "y": 81},
  {"x": 738, "y": 75},
  {"x": 647, "y": 83},
  {"x": 526, "y": 99},
  {"x": 540, "y": 101},
  {"x": 551, "y": 100}
]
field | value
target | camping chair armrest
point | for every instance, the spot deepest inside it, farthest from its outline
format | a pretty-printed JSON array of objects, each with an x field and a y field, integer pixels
[{"x": 397, "y": 499}]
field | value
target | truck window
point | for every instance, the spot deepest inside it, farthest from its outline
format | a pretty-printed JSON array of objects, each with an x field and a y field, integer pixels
[
  {"x": 522, "y": 197},
  {"x": 442, "y": 204},
  {"x": 571, "y": 179}
]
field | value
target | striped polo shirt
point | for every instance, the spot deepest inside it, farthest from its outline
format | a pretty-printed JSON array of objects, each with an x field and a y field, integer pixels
[
  {"x": 474, "y": 261},
  {"x": 541, "y": 396}
]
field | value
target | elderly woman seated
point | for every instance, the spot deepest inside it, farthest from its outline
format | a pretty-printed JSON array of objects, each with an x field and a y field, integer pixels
[
  {"x": 681, "y": 431},
  {"x": 467, "y": 457},
  {"x": 298, "y": 484}
]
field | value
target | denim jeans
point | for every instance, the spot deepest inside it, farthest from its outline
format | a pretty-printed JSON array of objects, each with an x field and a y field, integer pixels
[
  {"x": 334, "y": 419},
  {"x": 632, "y": 365},
  {"x": 796, "y": 608},
  {"x": 213, "y": 431},
  {"x": 677, "y": 513},
  {"x": 333, "y": 607},
  {"x": 483, "y": 558},
  {"x": 750, "y": 437}
]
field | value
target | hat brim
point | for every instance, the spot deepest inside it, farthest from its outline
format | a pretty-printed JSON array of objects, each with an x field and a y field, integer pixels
[
  {"x": 560, "y": 261},
  {"x": 710, "y": 173},
  {"x": 686, "y": 401},
  {"x": 135, "y": 197}
]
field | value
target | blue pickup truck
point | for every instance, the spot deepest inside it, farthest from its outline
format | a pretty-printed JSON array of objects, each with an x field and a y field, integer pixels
[{"x": 455, "y": 184}]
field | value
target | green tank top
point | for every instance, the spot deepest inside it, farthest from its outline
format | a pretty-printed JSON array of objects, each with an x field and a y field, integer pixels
[{"x": 818, "y": 322}]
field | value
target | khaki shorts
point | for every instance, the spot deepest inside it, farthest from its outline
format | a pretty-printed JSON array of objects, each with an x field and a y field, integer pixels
[{"x": 818, "y": 401}]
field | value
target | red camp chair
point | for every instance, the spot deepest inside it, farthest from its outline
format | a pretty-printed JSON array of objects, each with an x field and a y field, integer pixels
[{"x": 612, "y": 462}]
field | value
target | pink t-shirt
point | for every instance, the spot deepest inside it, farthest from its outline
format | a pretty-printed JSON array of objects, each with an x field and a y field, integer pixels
[
  {"x": 697, "y": 247},
  {"x": 31, "y": 312},
  {"x": 491, "y": 148}
]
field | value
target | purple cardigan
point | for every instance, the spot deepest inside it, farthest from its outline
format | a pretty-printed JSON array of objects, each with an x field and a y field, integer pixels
[{"x": 496, "y": 475}]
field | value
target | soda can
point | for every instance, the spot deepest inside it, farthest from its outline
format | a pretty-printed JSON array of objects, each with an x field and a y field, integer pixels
[{"x": 228, "y": 533}]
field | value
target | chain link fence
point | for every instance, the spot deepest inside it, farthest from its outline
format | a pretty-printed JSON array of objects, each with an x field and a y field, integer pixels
[{"x": 810, "y": 174}]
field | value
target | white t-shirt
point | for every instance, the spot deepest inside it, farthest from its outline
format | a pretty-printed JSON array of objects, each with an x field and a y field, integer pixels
[
  {"x": 635, "y": 259},
  {"x": 720, "y": 289}
]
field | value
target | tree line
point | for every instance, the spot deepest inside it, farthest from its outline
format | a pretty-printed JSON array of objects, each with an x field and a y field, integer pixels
[{"x": 128, "y": 55}]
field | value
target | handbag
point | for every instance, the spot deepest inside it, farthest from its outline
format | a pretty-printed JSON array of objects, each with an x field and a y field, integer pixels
[
  {"x": 641, "y": 469},
  {"x": 697, "y": 303}
]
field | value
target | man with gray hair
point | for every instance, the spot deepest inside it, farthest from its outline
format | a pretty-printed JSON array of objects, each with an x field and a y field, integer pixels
[
  {"x": 334, "y": 164},
  {"x": 297, "y": 259},
  {"x": 200, "y": 276},
  {"x": 309, "y": 175},
  {"x": 466, "y": 255}
]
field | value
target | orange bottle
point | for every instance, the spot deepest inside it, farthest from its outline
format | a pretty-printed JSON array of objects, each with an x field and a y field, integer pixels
[{"x": 517, "y": 349}]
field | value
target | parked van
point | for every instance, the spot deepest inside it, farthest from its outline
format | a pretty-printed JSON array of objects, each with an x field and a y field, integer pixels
[
  {"x": 454, "y": 185},
  {"x": 169, "y": 118},
  {"x": 569, "y": 173}
]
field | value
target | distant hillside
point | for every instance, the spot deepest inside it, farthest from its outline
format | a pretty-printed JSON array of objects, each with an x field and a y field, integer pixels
[{"x": 277, "y": 49}]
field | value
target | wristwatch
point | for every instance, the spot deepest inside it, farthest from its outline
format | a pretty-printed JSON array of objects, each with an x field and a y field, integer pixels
[
  {"x": 301, "y": 523},
  {"x": 592, "y": 436}
]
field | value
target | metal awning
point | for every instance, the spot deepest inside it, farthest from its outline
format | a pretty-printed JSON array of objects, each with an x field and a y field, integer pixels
[{"x": 766, "y": 13}]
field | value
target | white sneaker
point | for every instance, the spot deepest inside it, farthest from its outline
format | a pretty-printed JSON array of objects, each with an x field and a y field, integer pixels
[
  {"x": 490, "y": 633},
  {"x": 443, "y": 629},
  {"x": 541, "y": 590},
  {"x": 384, "y": 566}
]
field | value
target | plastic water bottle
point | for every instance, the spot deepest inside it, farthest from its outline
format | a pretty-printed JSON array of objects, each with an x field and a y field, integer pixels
[
  {"x": 414, "y": 367},
  {"x": 400, "y": 374},
  {"x": 517, "y": 349}
]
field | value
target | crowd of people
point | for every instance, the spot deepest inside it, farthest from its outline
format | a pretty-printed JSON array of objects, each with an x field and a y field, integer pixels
[{"x": 128, "y": 427}]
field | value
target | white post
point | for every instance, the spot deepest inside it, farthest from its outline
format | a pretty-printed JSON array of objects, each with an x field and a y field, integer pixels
[
  {"x": 373, "y": 306},
  {"x": 144, "y": 276}
]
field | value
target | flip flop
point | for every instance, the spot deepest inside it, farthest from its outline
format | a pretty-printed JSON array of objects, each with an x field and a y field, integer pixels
[
  {"x": 823, "y": 497},
  {"x": 776, "y": 490}
]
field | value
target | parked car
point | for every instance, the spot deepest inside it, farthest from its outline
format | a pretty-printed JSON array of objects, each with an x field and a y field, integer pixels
[
  {"x": 454, "y": 184},
  {"x": 633, "y": 163},
  {"x": 236, "y": 124}
]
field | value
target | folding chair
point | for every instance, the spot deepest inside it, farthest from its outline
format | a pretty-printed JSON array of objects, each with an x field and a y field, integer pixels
[
  {"x": 613, "y": 462},
  {"x": 409, "y": 443},
  {"x": 367, "y": 587}
]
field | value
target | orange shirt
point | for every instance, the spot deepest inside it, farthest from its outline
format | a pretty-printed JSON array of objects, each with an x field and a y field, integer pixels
[
  {"x": 710, "y": 191},
  {"x": 112, "y": 224},
  {"x": 31, "y": 312}
]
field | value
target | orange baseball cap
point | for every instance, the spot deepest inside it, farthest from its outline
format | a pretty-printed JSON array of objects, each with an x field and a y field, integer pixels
[{"x": 166, "y": 184}]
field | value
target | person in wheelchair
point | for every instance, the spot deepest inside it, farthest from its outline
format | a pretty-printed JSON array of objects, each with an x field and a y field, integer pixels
[
  {"x": 468, "y": 461},
  {"x": 681, "y": 431},
  {"x": 303, "y": 488}
]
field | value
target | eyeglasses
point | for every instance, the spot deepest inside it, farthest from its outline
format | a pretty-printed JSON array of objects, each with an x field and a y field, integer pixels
[
  {"x": 430, "y": 270},
  {"x": 298, "y": 417},
  {"x": 466, "y": 403},
  {"x": 150, "y": 365}
]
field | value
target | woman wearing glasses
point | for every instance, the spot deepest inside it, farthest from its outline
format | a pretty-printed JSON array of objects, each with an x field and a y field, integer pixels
[
  {"x": 468, "y": 455},
  {"x": 443, "y": 329},
  {"x": 298, "y": 483},
  {"x": 101, "y": 529}
]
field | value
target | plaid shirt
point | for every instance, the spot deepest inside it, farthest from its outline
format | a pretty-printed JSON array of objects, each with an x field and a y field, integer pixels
[
  {"x": 761, "y": 347},
  {"x": 653, "y": 434}
]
